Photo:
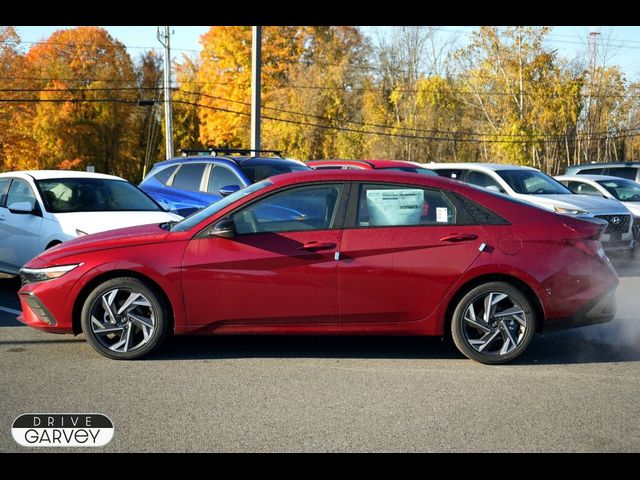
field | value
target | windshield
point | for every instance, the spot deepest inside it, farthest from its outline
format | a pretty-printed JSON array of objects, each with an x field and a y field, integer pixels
[
  {"x": 201, "y": 215},
  {"x": 256, "y": 172},
  {"x": 532, "y": 182},
  {"x": 623, "y": 190},
  {"x": 422, "y": 171},
  {"x": 64, "y": 195}
]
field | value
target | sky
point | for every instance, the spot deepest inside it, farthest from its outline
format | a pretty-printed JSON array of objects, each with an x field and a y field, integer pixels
[{"x": 570, "y": 41}]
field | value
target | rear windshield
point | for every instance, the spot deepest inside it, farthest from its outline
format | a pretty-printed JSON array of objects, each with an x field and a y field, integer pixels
[
  {"x": 256, "y": 172},
  {"x": 63, "y": 195}
]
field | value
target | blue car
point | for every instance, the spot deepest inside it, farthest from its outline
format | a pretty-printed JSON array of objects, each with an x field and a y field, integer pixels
[{"x": 187, "y": 184}]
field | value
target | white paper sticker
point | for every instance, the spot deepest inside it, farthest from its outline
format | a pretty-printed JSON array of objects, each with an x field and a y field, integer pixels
[
  {"x": 442, "y": 214},
  {"x": 395, "y": 207}
]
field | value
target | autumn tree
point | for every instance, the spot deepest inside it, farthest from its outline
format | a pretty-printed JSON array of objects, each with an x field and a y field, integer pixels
[
  {"x": 16, "y": 141},
  {"x": 322, "y": 101},
  {"x": 95, "y": 77},
  {"x": 225, "y": 76},
  {"x": 146, "y": 122},
  {"x": 186, "y": 122}
]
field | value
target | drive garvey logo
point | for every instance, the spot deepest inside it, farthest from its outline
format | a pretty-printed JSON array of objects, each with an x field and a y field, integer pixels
[{"x": 62, "y": 430}]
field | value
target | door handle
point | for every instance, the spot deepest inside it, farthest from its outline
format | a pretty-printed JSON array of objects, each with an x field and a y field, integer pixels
[
  {"x": 316, "y": 245},
  {"x": 459, "y": 237}
]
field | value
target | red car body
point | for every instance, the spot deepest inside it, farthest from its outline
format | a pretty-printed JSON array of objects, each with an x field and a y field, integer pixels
[{"x": 397, "y": 280}]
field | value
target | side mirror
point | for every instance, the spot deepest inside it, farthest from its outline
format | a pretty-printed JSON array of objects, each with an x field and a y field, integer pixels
[
  {"x": 22, "y": 208},
  {"x": 493, "y": 188},
  {"x": 225, "y": 228},
  {"x": 228, "y": 190}
]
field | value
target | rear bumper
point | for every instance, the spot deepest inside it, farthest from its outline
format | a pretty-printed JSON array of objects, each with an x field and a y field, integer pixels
[{"x": 600, "y": 310}]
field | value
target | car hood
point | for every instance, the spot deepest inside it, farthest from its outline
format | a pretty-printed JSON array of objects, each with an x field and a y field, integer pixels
[
  {"x": 95, "y": 222},
  {"x": 588, "y": 203},
  {"x": 123, "y": 237}
]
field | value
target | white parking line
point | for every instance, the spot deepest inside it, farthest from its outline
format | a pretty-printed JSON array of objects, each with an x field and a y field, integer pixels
[{"x": 10, "y": 310}]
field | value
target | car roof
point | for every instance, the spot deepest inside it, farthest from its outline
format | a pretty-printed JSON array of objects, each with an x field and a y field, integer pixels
[
  {"x": 52, "y": 174},
  {"x": 479, "y": 166},
  {"x": 590, "y": 177},
  {"x": 365, "y": 175},
  {"x": 369, "y": 163},
  {"x": 608, "y": 164},
  {"x": 238, "y": 160}
]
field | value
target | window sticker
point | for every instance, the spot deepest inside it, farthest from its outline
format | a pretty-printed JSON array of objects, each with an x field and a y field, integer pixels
[
  {"x": 442, "y": 215},
  {"x": 395, "y": 207}
]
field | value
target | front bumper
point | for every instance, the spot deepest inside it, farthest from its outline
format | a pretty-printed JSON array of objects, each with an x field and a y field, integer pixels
[
  {"x": 600, "y": 310},
  {"x": 36, "y": 315}
]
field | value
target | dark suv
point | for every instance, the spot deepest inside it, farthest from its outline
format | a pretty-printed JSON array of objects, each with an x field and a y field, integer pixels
[
  {"x": 202, "y": 177},
  {"x": 628, "y": 170}
]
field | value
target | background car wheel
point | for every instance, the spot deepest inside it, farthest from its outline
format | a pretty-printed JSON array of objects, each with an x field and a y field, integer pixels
[
  {"x": 493, "y": 323},
  {"x": 124, "y": 319}
]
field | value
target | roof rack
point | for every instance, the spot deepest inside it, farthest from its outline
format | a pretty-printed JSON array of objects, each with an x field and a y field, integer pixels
[{"x": 226, "y": 151}]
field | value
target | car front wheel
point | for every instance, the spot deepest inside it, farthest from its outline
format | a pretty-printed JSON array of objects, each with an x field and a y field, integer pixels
[
  {"x": 493, "y": 323},
  {"x": 124, "y": 319}
]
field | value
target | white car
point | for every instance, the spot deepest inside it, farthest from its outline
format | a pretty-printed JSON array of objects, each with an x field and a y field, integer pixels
[
  {"x": 533, "y": 186},
  {"x": 621, "y": 189},
  {"x": 39, "y": 209}
]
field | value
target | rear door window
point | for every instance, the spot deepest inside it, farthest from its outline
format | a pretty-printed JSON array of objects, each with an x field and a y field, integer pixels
[
  {"x": 189, "y": 176},
  {"x": 455, "y": 173},
  {"x": 222, "y": 177},
  {"x": 582, "y": 188},
  {"x": 624, "y": 172},
  {"x": 163, "y": 175},
  {"x": 20, "y": 191},
  {"x": 4, "y": 184},
  {"x": 393, "y": 205}
]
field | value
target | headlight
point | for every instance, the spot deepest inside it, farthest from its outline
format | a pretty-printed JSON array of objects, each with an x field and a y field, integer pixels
[
  {"x": 32, "y": 275},
  {"x": 80, "y": 233},
  {"x": 569, "y": 211}
]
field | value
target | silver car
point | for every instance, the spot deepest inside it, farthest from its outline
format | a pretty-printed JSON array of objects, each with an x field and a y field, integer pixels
[{"x": 533, "y": 186}]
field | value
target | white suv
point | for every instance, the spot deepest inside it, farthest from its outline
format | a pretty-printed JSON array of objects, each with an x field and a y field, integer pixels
[
  {"x": 39, "y": 209},
  {"x": 533, "y": 186}
]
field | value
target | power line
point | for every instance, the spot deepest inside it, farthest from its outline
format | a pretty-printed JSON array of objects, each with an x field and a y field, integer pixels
[
  {"x": 77, "y": 44},
  {"x": 623, "y": 133},
  {"x": 413, "y": 137},
  {"x": 391, "y": 127}
]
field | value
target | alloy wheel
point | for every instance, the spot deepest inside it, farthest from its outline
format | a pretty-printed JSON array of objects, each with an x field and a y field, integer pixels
[
  {"x": 494, "y": 324},
  {"x": 122, "y": 320}
]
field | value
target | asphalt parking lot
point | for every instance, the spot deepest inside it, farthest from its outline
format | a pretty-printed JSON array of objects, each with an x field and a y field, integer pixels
[{"x": 572, "y": 391}]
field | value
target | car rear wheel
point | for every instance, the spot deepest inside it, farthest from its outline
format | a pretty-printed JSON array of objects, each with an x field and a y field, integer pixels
[
  {"x": 124, "y": 319},
  {"x": 493, "y": 323}
]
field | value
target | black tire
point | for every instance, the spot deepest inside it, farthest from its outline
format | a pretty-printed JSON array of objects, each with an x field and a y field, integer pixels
[
  {"x": 499, "y": 330},
  {"x": 152, "y": 308}
]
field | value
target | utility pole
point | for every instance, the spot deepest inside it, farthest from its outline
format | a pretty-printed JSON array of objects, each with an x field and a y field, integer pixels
[
  {"x": 168, "y": 113},
  {"x": 593, "y": 62},
  {"x": 256, "y": 69}
]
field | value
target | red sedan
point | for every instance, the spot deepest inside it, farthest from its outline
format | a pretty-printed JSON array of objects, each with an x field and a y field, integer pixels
[{"x": 346, "y": 252}]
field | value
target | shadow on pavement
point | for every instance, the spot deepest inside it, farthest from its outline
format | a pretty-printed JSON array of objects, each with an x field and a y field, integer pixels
[{"x": 568, "y": 347}]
